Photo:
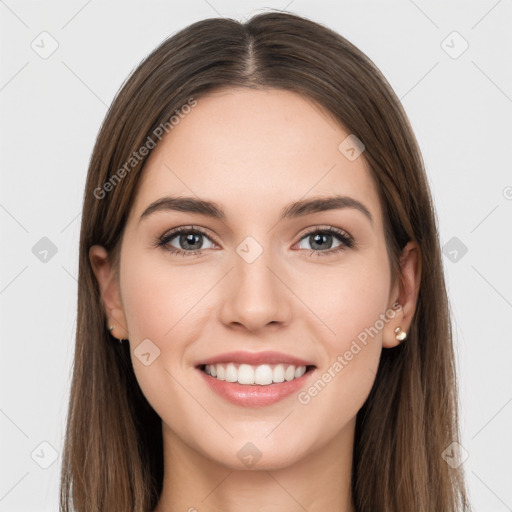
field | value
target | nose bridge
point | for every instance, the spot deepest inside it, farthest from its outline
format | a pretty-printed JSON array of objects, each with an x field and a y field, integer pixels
[{"x": 256, "y": 295}]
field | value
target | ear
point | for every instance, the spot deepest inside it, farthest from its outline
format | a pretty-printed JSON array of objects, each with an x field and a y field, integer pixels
[
  {"x": 109, "y": 290},
  {"x": 404, "y": 295}
]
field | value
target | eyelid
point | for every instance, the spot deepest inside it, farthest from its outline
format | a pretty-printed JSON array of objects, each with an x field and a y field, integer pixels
[{"x": 328, "y": 228}]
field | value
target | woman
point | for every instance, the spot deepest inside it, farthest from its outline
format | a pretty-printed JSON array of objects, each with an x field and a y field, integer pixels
[{"x": 259, "y": 235}]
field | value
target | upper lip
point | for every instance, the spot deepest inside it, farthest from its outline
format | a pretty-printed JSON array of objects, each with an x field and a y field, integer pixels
[{"x": 255, "y": 358}]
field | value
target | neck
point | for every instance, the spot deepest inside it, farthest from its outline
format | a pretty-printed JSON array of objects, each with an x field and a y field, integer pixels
[{"x": 319, "y": 481}]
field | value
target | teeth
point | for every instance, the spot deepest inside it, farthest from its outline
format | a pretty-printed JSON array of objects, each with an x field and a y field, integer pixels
[
  {"x": 278, "y": 373},
  {"x": 262, "y": 375},
  {"x": 231, "y": 373}
]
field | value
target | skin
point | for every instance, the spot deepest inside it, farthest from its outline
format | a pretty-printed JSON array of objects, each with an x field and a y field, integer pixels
[{"x": 253, "y": 152}]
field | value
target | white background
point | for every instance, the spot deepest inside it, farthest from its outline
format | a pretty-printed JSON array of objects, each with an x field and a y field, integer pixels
[{"x": 51, "y": 109}]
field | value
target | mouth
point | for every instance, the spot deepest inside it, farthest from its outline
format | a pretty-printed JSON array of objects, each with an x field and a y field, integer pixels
[
  {"x": 255, "y": 375},
  {"x": 255, "y": 379}
]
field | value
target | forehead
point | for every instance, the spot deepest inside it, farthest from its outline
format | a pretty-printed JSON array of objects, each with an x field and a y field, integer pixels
[{"x": 253, "y": 151}]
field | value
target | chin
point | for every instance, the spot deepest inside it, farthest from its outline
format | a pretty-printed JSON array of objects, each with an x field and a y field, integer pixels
[{"x": 259, "y": 454}]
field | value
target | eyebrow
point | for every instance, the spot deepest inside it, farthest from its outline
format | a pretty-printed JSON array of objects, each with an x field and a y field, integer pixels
[{"x": 292, "y": 210}]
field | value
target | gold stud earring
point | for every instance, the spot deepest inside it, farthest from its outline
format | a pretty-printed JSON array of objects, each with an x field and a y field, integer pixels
[{"x": 399, "y": 334}]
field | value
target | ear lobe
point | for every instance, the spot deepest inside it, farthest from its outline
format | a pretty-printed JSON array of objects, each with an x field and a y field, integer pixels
[
  {"x": 404, "y": 293},
  {"x": 109, "y": 289}
]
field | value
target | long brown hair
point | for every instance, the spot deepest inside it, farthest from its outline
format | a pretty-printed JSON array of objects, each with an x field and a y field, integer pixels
[{"x": 113, "y": 452}]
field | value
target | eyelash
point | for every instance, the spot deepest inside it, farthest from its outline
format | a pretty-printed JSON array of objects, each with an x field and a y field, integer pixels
[{"x": 347, "y": 242}]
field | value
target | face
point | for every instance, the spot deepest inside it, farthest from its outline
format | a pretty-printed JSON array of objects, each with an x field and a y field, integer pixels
[{"x": 314, "y": 284}]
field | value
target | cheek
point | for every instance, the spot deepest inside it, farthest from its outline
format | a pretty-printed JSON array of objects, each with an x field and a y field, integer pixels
[
  {"x": 353, "y": 312},
  {"x": 159, "y": 307},
  {"x": 351, "y": 299},
  {"x": 162, "y": 304},
  {"x": 159, "y": 300}
]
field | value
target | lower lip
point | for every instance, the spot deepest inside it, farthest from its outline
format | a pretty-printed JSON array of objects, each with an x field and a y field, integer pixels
[{"x": 255, "y": 395}]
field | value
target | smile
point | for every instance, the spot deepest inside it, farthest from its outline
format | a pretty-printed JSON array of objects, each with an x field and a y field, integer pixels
[
  {"x": 254, "y": 386},
  {"x": 261, "y": 375}
]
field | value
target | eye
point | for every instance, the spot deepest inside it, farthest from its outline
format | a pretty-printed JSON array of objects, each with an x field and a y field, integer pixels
[
  {"x": 323, "y": 238},
  {"x": 189, "y": 241}
]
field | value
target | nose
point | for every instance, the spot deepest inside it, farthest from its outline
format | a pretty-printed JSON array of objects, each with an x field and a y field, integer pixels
[{"x": 255, "y": 295}]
